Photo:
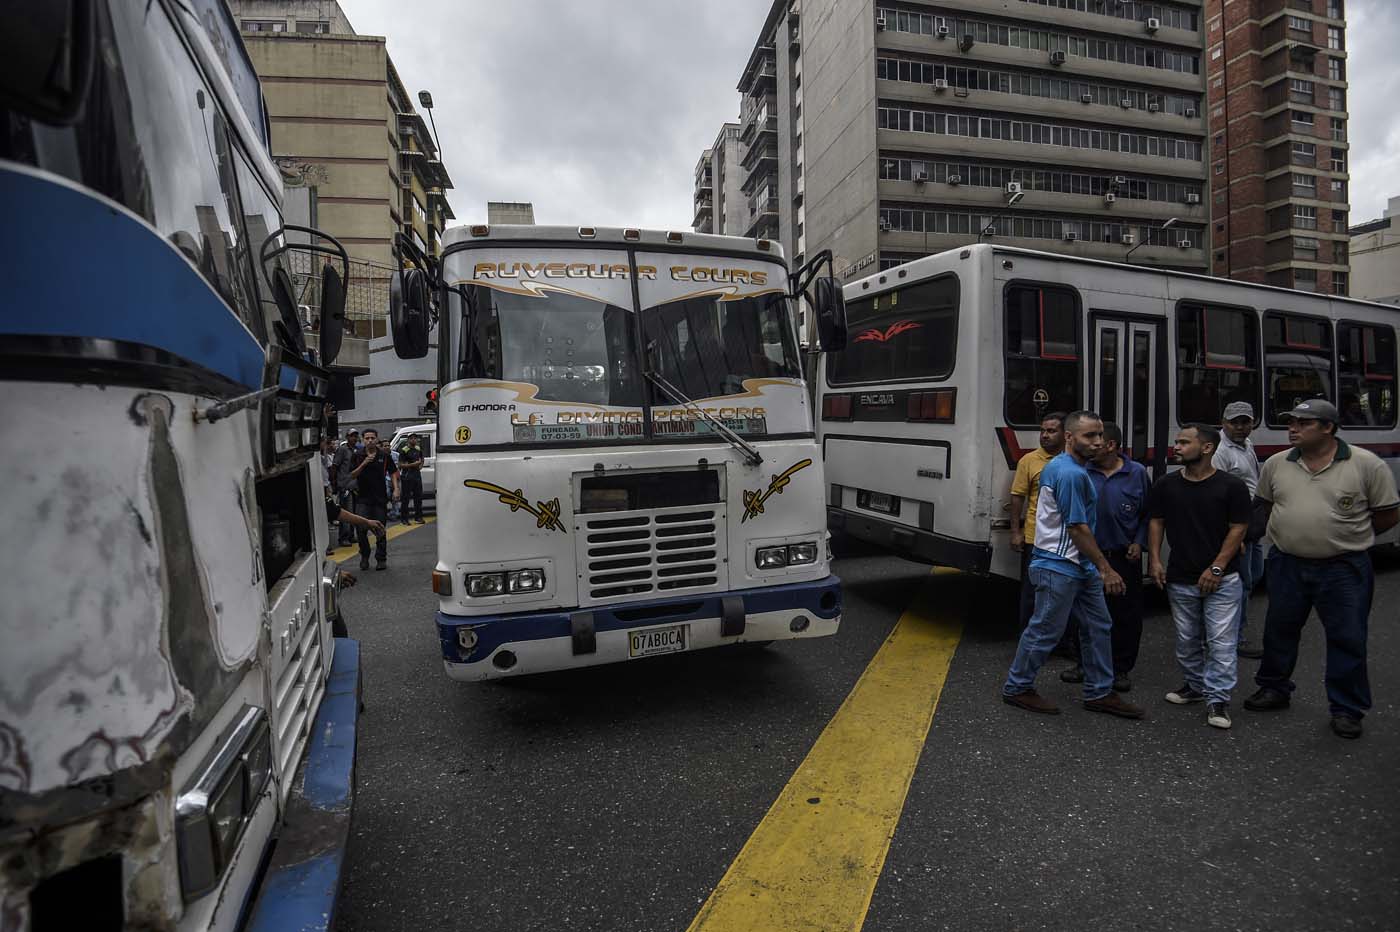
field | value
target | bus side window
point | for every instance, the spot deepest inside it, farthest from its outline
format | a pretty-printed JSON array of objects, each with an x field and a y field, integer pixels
[
  {"x": 1297, "y": 362},
  {"x": 1042, "y": 352},
  {"x": 1366, "y": 370},
  {"x": 1217, "y": 361}
]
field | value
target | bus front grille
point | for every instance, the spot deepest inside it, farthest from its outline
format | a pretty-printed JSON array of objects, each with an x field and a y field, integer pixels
[{"x": 653, "y": 553}]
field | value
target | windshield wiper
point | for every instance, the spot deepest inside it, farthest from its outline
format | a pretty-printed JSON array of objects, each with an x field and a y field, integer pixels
[{"x": 751, "y": 453}]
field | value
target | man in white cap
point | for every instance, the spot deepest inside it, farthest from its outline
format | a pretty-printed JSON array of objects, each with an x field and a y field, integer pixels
[
  {"x": 1327, "y": 502},
  {"x": 1236, "y": 457}
]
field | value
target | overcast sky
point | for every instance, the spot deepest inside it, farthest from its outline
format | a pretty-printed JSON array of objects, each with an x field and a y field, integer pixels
[{"x": 598, "y": 111}]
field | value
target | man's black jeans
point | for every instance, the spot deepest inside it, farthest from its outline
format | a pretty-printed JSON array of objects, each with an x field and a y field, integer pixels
[
  {"x": 375, "y": 511},
  {"x": 411, "y": 494}
]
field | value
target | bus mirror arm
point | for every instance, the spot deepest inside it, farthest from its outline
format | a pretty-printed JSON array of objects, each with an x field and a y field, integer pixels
[
  {"x": 333, "y": 287},
  {"x": 827, "y": 300}
]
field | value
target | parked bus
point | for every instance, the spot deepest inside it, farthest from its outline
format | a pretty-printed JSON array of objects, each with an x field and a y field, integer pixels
[
  {"x": 626, "y": 462},
  {"x": 954, "y": 358},
  {"x": 177, "y": 721}
]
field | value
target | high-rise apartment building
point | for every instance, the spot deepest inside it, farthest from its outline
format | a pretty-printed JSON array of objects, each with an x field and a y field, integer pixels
[
  {"x": 889, "y": 129},
  {"x": 719, "y": 205},
  {"x": 1278, "y": 123},
  {"x": 1375, "y": 257}
]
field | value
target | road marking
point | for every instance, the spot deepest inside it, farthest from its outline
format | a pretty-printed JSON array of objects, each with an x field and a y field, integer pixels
[
  {"x": 813, "y": 862},
  {"x": 341, "y": 554}
]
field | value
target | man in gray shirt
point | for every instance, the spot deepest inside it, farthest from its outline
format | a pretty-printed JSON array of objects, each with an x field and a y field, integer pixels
[{"x": 1236, "y": 457}]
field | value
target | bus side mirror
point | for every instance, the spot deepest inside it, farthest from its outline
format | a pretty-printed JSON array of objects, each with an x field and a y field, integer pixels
[
  {"x": 408, "y": 313},
  {"x": 830, "y": 307},
  {"x": 332, "y": 313}
]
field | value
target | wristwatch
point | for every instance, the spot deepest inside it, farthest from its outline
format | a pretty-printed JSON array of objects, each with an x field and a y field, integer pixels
[{"x": 1217, "y": 571}]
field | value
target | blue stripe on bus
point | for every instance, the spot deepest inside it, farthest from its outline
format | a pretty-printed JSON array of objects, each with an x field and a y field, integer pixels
[{"x": 77, "y": 267}]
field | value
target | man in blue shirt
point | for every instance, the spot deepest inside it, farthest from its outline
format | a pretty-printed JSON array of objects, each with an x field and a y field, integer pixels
[
  {"x": 1070, "y": 575},
  {"x": 1121, "y": 533}
]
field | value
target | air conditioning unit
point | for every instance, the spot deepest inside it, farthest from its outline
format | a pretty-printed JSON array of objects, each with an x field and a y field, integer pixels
[
  {"x": 960, "y": 92},
  {"x": 1126, "y": 103},
  {"x": 1153, "y": 24},
  {"x": 1013, "y": 187},
  {"x": 942, "y": 32},
  {"x": 1191, "y": 113},
  {"x": 1128, "y": 239},
  {"x": 1071, "y": 236},
  {"x": 880, "y": 21},
  {"x": 940, "y": 84},
  {"x": 1086, "y": 98},
  {"x": 1193, "y": 198},
  {"x": 920, "y": 177},
  {"x": 1110, "y": 197},
  {"x": 1057, "y": 57},
  {"x": 967, "y": 41},
  {"x": 955, "y": 179},
  {"x": 1120, "y": 180},
  {"x": 885, "y": 225},
  {"x": 1184, "y": 243},
  {"x": 1154, "y": 108}
]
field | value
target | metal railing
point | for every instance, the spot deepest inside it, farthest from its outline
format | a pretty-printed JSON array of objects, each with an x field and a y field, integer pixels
[{"x": 366, "y": 295}]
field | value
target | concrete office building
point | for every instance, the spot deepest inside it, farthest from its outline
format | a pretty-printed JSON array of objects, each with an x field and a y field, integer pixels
[
  {"x": 889, "y": 129},
  {"x": 507, "y": 212},
  {"x": 1278, "y": 124},
  {"x": 1375, "y": 257},
  {"x": 720, "y": 206}
]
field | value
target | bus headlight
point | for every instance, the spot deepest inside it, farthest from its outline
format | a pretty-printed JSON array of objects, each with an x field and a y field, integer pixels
[
  {"x": 771, "y": 558},
  {"x": 798, "y": 554},
  {"x": 531, "y": 580},
  {"x": 482, "y": 585}
]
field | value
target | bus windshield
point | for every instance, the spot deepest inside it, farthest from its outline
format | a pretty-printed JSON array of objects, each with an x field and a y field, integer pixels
[{"x": 707, "y": 347}]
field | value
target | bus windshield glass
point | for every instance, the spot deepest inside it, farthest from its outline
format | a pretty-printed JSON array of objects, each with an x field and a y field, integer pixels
[
  {"x": 707, "y": 347},
  {"x": 572, "y": 348}
]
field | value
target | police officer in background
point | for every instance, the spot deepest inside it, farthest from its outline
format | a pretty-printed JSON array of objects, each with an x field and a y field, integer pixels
[
  {"x": 411, "y": 479},
  {"x": 1236, "y": 457},
  {"x": 1326, "y": 501}
]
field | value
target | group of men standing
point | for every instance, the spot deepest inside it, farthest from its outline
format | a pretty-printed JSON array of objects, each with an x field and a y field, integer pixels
[
  {"x": 367, "y": 476},
  {"x": 1091, "y": 513}
]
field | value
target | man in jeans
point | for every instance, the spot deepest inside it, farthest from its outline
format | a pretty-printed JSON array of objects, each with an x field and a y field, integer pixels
[
  {"x": 1203, "y": 514},
  {"x": 1025, "y": 493},
  {"x": 1236, "y": 456},
  {"x": 1122, "y": 486},
  {"x": 373, "y": 473},
  {"x": 1070, "y": 576},
  {"x": 1327, "y": 500},
  {"x": 341, "y": 466}
]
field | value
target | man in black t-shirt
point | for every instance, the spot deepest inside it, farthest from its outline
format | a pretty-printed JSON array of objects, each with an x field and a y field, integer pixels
[
  {"x": 1203, "y": 513},
  {"x": 369, "y": 468},
  {"x": 411, "y": 469}
]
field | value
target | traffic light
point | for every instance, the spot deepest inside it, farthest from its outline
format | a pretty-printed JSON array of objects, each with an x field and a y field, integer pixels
[{"x": 432, "y": 406}]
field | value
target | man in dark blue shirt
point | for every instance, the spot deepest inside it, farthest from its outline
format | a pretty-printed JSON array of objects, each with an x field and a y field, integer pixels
[{"x": 1121, "y": 533}]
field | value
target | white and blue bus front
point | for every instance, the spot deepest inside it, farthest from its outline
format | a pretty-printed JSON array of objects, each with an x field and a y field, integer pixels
[{"x": 626, "y": 459}]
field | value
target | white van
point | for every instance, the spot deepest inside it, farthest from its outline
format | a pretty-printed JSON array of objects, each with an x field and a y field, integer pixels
[{"x": 427, "y": 436}]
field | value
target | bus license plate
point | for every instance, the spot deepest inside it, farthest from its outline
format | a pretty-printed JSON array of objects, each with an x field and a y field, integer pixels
[
  {"x": 650, "y": 641},
  {"x": 880, "y": 501}
]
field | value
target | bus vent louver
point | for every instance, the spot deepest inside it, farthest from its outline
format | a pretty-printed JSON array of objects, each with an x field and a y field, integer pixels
[{"x": 653, "y": 553}]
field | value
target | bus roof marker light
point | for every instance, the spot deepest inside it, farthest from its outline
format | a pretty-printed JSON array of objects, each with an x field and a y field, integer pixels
[
  {"x": 480, "y": 229},
  {"x": 674, "y": 237},
  {"x": 587, "y": 232},
  {"x": 765, "y": 245},
  {"x": 632, "y": 235}
]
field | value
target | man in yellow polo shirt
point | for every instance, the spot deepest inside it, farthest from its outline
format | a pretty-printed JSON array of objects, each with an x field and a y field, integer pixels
[
  {"x": 1327, "y": 501},
  {"x": 1025, "y": 491}
]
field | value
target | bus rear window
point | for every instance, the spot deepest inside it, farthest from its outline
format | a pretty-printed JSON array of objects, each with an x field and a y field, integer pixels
[
  {"x": 1217, "y": 361},
  {"x": 1297, "y": 363},
  {"x": 906, "y": 335},
  {"x": 1366, "y": 372},
  {"x": 1042, "y": 352}
]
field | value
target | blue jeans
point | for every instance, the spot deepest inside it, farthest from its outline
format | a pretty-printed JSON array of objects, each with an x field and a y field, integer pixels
[
  {"x": 1059, "y": 597},
  {"x": 1340, "y": 589},
  {"x": 1206, "y": 635},
  {"x": 1251, "y": 573}
]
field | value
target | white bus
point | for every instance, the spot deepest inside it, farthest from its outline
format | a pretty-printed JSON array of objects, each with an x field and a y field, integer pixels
[
  {"x": 626, "y": 460},
  {"x": 953, "y": 358}
]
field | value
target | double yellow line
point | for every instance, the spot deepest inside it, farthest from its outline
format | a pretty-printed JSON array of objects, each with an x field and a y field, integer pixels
[{"x": 813, "y": 862}]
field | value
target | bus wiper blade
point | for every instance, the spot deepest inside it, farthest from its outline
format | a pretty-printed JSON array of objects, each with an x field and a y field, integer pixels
[{"x": 751, "y": 453}]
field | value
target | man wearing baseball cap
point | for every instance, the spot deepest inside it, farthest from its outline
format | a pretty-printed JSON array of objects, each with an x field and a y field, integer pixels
[
  {"x": 1327, "y": 500},
  {"x": 1236, "y": 457}
]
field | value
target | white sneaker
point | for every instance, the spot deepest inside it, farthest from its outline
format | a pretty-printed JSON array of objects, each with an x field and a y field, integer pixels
[{"x": 1218, "y": 715}]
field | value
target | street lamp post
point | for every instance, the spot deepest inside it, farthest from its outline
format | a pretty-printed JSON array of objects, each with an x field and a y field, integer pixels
[
  {"x": 1136, "y": 246},
  {"x": 426, "y": 99}
]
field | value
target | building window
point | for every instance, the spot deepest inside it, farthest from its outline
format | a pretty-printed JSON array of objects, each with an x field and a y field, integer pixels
[
  {"x": 1304, "y": 153},
  {"x": 1304, "y": 217},
  {"x": 1365, "y": 371},
  {"x": 1299, "y": 24},
  {"x": 1300, "y": 90},
  {"x": 1297, "y": 356},
  {"x": 264, "y": 25},
  {"x": 1339, "y": 283},
  {"x": 1305, "y": 185},
  {"x": 1336, "y": 98},
  {"x": 1339, "y": 221},
  {"x": 1334, "y": 9},
  {"x": 1334, "y": 37},
  {"x": 1220, "y": 168},
  {"x": 1305, "y": 248},
  {"x": 313, "y": 27},
  {"x": 910, "y": 333},
  {"x": 1042, "y": 352},
  {"x": 1217, "y": 361},
  {"x": 1303, "y": 120},
  {"x": 1305, "y": 280},
  {"x": 1339, "y": 130},
  {"x": 1339, "y": 160},
  {"x": 1336, "y": 69},
  {"x": 1340, "y": 252}
]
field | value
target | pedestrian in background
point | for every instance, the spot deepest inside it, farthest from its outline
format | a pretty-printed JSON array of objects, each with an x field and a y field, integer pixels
[
  {"x": 1326, "y": 501},
  {"x": 1025, "y": 493},
  {"x": 411, "y": 469},
  {"x": 1122, "y": 485},
  {"x": 374, "y": 476},
  {"x": 1236, "y": 456},
  {"x": 1070, "y": 576},
  {"x": 1204, "y": 514},
  {"x": 389, "y": 453},
  {"x": 341, "y": 465}
]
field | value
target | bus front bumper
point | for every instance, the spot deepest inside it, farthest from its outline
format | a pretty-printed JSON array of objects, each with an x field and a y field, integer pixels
[
  {"x": 911, "y": 542},
  {"x": 483, "y": 647}
]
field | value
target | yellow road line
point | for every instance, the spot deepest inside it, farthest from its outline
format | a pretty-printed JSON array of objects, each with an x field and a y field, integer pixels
[
  {"x": 813, "y": 862},
  {"x": 341, "y": 554}
]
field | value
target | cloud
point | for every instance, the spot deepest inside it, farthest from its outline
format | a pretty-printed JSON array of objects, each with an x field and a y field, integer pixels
[{"x": 1373, "y": 32}]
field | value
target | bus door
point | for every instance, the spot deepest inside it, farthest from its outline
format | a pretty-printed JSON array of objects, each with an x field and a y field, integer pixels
[{"x": 1127, "y": 383}]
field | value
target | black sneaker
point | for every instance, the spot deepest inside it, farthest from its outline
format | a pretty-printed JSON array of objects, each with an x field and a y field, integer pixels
[
  {"x": 1218, "y": 715},
  {"x": 1072, "y": 675},
  {"x": 381, "y": 565},
  {"x": 1121, "y": 683},
  {"x": 364, "y": 563},
  {"x": 1266, "y": 699},
  {"x": 1249, "y": 651},
  {"x": 1184, "y": 695},
  {"x": 1344, "y": 726}
]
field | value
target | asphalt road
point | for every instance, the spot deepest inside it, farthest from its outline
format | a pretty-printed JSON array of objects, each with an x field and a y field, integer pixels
[{"x": 616, "y": 798}]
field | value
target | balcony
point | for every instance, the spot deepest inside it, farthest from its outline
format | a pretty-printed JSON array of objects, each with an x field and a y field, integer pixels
[
  {"x": 703, "y": 212},
  {"x": 764, "y": 205}
]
